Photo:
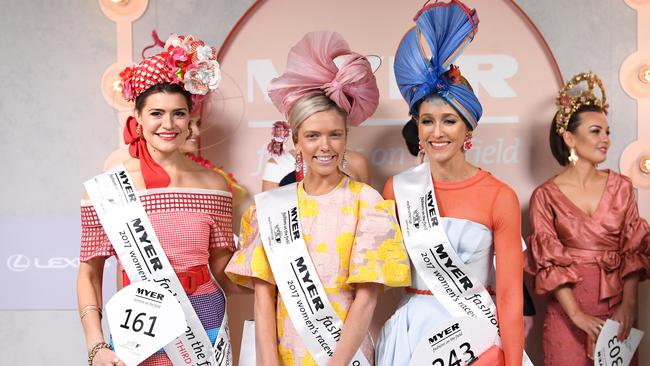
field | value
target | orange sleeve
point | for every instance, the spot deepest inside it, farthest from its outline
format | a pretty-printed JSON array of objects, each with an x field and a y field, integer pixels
[
  {"x": 388, "y": 192},
  {"x": 509, "y": 272}
]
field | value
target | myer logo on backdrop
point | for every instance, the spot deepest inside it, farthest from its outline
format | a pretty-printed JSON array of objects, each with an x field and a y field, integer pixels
[
  {"x": 488, "y": 73},
  {"x": 21, "y": 263},
  {"x": 515, "y": 79}
]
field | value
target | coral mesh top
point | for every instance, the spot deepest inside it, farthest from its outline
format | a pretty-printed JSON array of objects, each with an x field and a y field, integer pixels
[{"x": 485, "y": 200}]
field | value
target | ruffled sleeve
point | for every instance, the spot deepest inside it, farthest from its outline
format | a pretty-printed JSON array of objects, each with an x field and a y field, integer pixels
[
  {"x": 378, "y": 253},
  {"x": 94, "y": 241},
  {"x": 635, "y": 244},
  {"x": 551, "y": 265},
  {"x": 250, "y": 260},
  {"x": 221, "y": 228}
]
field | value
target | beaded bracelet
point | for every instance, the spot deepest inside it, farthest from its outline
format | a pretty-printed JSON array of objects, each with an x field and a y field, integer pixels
[{"x": 93, "y": 351}]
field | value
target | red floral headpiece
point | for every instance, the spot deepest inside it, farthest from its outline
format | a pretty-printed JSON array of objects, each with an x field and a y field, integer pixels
[{"x": 185, "y": 61}]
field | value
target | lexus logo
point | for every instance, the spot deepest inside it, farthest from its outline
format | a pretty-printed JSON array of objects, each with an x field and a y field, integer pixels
[
  {"x": 21, "y": 263},
  {"x": 18, "y": 262}
]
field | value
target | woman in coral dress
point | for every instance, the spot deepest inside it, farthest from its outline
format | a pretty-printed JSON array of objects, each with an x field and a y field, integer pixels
[
  {"x": 479, "y": 215},
  {"x": 589, "y": 247}
]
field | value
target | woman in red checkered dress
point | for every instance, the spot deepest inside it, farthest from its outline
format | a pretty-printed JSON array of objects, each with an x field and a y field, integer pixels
[{"x": 190, "y": 207}]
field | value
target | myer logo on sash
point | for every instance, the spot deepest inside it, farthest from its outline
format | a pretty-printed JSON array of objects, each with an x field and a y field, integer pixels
[
  {"x": 431, "y": 210},
  {"x": 303, "y": 294},
  {"x": 444, "y": 335},
  {"x": 121, "y": 179},
  {"x": 306, "y": 283}
]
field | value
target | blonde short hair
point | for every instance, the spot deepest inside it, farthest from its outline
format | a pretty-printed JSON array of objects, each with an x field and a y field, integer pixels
[{"x": 309, "y": 105}]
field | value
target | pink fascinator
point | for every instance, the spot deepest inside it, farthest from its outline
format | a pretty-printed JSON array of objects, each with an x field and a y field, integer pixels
[{"x": 322, "y": 62}]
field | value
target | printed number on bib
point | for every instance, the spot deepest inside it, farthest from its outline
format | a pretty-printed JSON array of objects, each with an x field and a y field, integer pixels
[
  {"x": 138, "y": 323},
  {"x": 464, "y": 350}
]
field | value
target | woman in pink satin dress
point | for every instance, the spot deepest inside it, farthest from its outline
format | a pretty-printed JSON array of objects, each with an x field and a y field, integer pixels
[{"x": 589, "y": 247}]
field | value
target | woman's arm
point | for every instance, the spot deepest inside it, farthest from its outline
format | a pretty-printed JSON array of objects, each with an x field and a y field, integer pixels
[
  {"x": 266, "y": 342},
  {"x": 89, "y": 292},
  {"x": 589, "y": 324},
  {"x": 625, "y": 312},
  {"x": 509, "y": 274},
  {"x": 219, "y": 258},
  {"x": 357, "y": 323}
]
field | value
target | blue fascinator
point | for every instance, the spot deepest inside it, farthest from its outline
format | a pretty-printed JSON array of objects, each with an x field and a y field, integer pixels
[{"x": 445, "y": 29}]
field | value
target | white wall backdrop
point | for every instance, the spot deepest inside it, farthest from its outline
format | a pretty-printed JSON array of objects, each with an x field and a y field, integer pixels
[{"x": 56, "y": 131}]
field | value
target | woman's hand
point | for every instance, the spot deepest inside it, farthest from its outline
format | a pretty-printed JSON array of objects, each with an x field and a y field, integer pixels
[
  {"x": 624, "y": 314},
  {"x": 588, "y": 324},
  {"x": 106, "y": 357}
]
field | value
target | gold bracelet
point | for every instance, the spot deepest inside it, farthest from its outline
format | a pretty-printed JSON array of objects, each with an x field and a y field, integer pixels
[
  {"x": 93, "y": 351},
  {"x": 89, "y": 309}
]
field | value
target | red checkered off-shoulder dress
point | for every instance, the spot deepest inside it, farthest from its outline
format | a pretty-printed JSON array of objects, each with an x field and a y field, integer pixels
[{"x": 189, "y": 223}]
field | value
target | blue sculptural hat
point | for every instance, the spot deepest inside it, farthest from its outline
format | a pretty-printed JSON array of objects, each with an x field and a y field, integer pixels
[{"x": 423, "y": 62}]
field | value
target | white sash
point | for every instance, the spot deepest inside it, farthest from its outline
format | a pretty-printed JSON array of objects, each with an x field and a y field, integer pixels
[
  {"x": 303, "y": 294},
  {"x": 431, "y": 253},
  {"x": 129, "y": 229}
]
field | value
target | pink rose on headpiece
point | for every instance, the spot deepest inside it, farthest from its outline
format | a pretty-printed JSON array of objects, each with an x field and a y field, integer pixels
[
  {"x": 127, "y": 90},
  {"x": 175, "y": 57},
  {"x": 125, "y": 84},
  {"x": 202, "y": 77},
  {"x": 176, "y": 41},
  {"x": 280, "y": 131},
  {"x": 279, "y": 135}
]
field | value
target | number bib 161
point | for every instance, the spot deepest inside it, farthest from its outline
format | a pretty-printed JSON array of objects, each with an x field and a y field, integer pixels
[
  {"x": 455, "y": 342},
  {"x": 143, "y": 317}
]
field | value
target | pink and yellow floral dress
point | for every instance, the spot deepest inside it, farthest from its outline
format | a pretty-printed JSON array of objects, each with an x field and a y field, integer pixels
[{"x": 352, "y": 236}]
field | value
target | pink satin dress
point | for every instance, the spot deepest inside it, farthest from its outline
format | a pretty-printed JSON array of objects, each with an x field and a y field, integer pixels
[{"x": 591, "y": 253}]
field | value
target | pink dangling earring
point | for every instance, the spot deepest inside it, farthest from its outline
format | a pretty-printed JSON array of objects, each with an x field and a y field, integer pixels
[
  {"x": 300, "y": 175},
  {"x": 468, "y": 141}
]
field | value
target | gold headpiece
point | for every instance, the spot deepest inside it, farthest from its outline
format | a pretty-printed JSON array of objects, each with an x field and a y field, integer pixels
[{"x": 569, "y": 100}]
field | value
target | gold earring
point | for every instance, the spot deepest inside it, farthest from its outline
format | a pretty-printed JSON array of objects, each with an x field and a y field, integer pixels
[
  {"x": 573, "y": 157},
  {"x": 189, "y": 133},
  {"x": 138, "y": 131}
]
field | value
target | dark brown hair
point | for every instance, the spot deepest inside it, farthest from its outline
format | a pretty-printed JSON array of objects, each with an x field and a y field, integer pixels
[
  {"x": 559, "y": 149},
  {"x": 168, "y": 88}
]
